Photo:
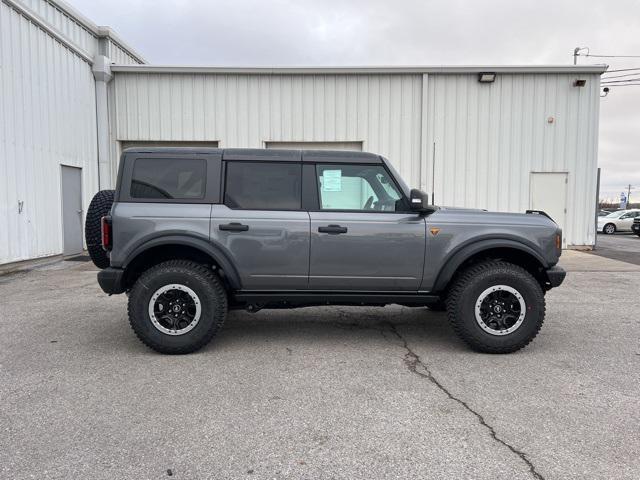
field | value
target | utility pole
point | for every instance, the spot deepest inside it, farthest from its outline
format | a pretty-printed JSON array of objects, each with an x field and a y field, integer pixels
[
  {"x": 576, "y": 52},
  {"x": 628, "y": 195}
]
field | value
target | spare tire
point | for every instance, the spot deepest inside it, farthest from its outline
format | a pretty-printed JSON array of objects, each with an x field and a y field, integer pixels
[{"x": 99, "y": 207}]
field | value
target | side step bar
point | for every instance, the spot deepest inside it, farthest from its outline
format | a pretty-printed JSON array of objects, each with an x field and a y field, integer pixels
[{"x": 292, "y": 299}]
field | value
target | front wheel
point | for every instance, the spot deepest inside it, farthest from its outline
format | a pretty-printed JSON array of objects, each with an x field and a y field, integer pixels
[
  {"x": 609, "y": 229},
  {"x": 496, "y": 307},
  {"x": 177, "y": 306}
]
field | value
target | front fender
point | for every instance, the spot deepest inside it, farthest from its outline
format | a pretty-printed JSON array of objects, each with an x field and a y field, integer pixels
[{"x": 468, "y": 250}]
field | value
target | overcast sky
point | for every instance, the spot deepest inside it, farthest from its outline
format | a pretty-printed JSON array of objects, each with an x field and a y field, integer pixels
[{"x": 399, "y": 32}]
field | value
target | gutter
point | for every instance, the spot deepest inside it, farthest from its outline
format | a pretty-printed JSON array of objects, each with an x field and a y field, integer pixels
[{"x": 454, "y": 69}]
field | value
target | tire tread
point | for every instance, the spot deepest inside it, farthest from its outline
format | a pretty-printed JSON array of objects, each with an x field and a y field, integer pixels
[
  {"x": 99, "y": 207},
  {"x": 463, "y": 280},
  {"x": 194, "y": 268}
]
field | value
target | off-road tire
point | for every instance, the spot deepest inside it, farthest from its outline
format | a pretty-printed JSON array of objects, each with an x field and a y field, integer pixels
[
  {"x": 439, "y": 306},
  {"x": 99, "y": 207},
  {"x": 467, "y": 287},
  {"x": 199, "y": 278},
  {"x": 611, "y": 232}
]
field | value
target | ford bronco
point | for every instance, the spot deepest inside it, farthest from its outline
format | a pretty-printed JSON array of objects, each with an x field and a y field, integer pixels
[{"x": 190, "y": 233}]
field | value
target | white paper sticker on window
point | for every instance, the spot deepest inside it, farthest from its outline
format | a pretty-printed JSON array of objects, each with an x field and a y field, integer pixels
[{"x": 332, "y": 180}]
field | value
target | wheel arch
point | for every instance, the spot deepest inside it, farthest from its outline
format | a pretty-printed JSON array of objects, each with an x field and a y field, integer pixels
[
  {"x": 173, "y": 247},
  {"x": 509, "y": 250}
]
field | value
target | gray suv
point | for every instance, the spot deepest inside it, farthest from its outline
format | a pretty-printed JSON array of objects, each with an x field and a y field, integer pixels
[{"x": 190, "y": 233}]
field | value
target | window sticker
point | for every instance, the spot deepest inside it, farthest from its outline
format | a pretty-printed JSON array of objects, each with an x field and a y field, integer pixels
[{"x": 332, "y": 180}]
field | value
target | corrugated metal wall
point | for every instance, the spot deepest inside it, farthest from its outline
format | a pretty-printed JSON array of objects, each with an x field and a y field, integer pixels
[
  {"x": 120, "y": 56},
  {"x": 382, "y": 111},
  {"x": 47, "y": 118},
  {"x": 489, "y": 137},
  {"x": 63, "y": 23},
  {"x": 43, "y": 124}
]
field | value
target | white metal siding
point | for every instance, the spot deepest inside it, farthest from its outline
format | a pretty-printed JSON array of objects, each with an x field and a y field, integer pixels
[
  {"x": 382, "y": 111},
  {"x": 120, "y": 56},
  {"x": 354, "y": 146},
  {"x": 63, "y": 23},
  {"x": 490, "y": 137},
  {"x": 43, "y": 124}
]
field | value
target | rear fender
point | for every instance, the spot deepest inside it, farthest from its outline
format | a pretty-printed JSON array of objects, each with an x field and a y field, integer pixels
[{"x": 204, "y": 245}]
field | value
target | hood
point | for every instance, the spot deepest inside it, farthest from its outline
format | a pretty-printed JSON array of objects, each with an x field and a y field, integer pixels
[
  {"x": 479, "y": 216},
  {"x": 463, "y": 209}
]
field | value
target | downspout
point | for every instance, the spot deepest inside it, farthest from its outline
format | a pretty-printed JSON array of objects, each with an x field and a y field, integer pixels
[{"x": 102, "y": 74}]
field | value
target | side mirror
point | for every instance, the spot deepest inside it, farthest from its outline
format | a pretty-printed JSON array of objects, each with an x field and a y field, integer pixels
[{"x": 420, "y": 202}]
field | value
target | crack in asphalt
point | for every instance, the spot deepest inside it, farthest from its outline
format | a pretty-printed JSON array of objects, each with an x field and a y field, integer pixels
[
  {"x": 416, "y": 366},
  {"x": 413, "y": 363}
]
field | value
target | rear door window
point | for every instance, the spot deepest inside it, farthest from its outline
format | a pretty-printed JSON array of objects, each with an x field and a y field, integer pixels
[
  {"x": 168, "y": 178},
  {"x": 263, "y": 186}
]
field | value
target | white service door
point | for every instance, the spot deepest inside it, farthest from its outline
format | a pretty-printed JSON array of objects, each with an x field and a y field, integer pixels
[
  {"x": 72, "y": 210},
  {"x": 549, "y": 194}
]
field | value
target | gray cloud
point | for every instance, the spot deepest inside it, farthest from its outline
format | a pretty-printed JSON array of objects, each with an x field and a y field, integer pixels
[{"x": 374, "y": 32}]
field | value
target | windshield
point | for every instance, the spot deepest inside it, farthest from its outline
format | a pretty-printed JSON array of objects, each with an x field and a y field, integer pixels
[{"x": 398, "y": 178}]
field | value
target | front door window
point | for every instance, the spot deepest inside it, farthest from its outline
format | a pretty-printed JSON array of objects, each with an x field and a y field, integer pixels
[{"x": 357, "y": 188}]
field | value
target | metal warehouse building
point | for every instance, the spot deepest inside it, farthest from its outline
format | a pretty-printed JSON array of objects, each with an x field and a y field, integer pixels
[{"x": 74, "y": 95}]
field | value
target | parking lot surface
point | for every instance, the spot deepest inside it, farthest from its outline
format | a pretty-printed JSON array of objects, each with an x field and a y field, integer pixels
[
  {"x": 319, "y": 393},
  {"x": 619, "y": 246}
]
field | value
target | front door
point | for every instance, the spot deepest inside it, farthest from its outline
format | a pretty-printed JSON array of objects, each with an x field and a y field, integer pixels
[
  {"x": 71, "y": 185},
  {"x": 262, "y": 226},
  {"x": 363, "y": 237}
]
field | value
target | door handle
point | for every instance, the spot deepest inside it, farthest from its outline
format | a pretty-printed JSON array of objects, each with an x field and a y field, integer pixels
[
  {"x": 234, "y": 227},
  {"x": 332, "y": 229}
]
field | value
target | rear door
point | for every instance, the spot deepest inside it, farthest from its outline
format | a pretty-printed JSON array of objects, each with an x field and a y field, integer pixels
[
  {"x": 363, "y": 236},
  {"x": 261, "y": 223}
]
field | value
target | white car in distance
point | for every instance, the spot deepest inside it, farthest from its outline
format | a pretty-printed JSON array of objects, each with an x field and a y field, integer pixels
[{"x": 619, "y": 221}]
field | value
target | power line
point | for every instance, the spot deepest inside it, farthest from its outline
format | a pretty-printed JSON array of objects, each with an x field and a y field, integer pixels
[
  {"x": 623, "y": 70},
  {"x": 620, "y": 76},
  {"x": 609, "y": 56},
  {"x": 607, "y": 82}
]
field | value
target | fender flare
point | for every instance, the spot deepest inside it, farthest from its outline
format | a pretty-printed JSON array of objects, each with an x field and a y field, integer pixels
[
  {"x": 204, "y": 245},
  {"x": 466, "y": 251}
]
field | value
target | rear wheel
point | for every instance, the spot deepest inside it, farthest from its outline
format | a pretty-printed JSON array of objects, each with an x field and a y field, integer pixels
[
  {"x": 609, "y": 229},
  {"x": 99, "y": 207},
  {"x": 496, "y": 307},
  {"x": 177, "y": 306}
]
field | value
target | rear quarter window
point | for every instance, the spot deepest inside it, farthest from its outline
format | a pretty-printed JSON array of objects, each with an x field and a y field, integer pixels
[{"x": 168, "y": 178}]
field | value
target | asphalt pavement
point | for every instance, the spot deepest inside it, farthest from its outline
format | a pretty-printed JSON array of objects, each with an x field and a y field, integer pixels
[
  {"x": 319, "y": 393},
  {"x": 619, "y": 246}
]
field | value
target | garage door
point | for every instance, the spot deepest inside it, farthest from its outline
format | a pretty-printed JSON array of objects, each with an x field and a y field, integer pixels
[
  {"x": 316, "y": 145},
  {"x": 151, "y": 143}
]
